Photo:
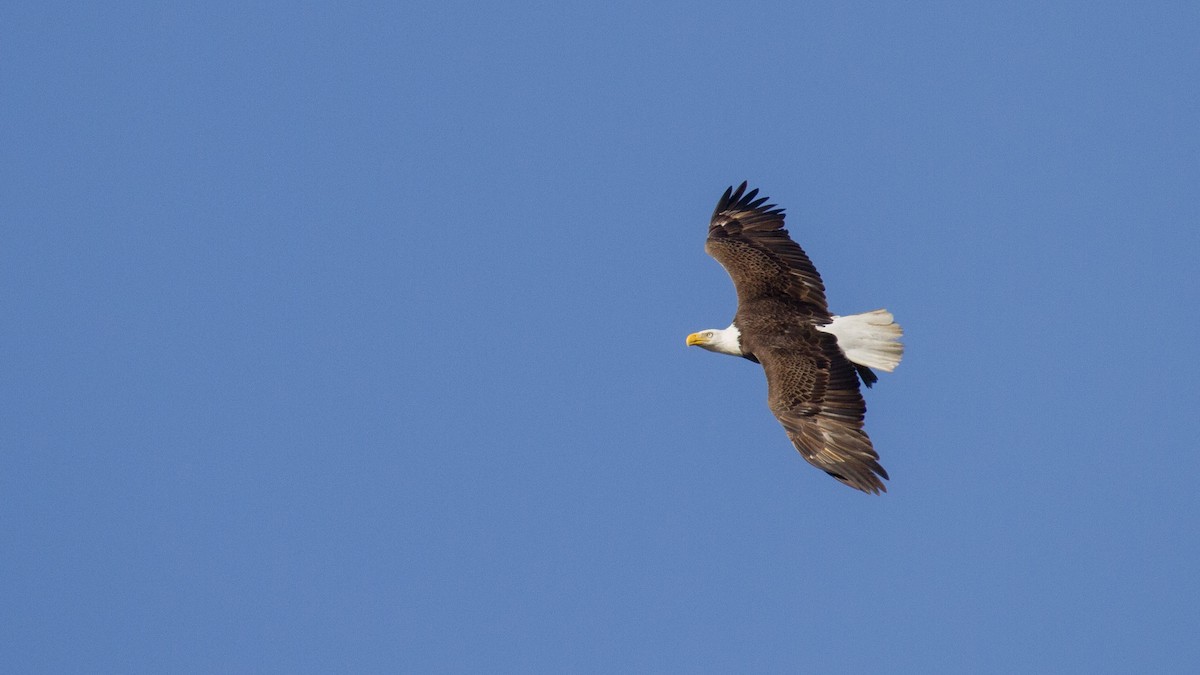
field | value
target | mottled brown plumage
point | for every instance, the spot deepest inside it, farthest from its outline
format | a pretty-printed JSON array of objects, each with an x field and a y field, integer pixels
[{"x": 813, "y": 389}]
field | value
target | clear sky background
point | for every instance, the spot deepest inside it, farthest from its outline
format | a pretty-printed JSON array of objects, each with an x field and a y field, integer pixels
[{"x": 349, "y": 337}]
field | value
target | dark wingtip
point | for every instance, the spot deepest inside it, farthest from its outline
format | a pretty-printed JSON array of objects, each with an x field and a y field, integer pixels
[
  {"x": 723, "y": 202},
  {"x": 873, "y": 487},
  {"x": 869, "y": 481},
  {"x": 732, "y": 196},
  {"x": 738, "y": 199},
  {"x": 728, "y": 197}
]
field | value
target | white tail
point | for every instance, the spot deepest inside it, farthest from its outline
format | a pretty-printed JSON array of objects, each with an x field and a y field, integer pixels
[{"x": 870, "y": 339}]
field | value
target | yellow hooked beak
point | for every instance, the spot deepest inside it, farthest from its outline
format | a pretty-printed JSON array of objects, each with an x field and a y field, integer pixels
[{"x": 695, "y": 339}]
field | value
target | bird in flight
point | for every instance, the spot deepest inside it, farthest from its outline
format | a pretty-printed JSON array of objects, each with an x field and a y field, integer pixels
[{"x": 813, "y": 360}]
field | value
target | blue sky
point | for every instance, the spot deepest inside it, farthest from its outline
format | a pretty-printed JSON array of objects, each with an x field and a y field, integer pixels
[{"x": 349, "y": 338}]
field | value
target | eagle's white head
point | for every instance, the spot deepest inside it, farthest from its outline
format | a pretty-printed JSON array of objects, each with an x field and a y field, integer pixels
[{"x": 724, "y": 341}]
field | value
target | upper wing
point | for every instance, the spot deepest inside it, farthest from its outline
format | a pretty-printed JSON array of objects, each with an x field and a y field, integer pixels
[
  {"x": 746, "y": 235},
  {"x": 813, "y": 392}
]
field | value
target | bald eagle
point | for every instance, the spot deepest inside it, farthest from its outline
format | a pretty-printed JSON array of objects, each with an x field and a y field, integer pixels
[{"x": 813, "y": 360}]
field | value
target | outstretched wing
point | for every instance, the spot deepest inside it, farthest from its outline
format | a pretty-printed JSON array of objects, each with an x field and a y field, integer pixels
[
  {"x": 747, "y": 236},
  {"x": 813, "y": 393}
]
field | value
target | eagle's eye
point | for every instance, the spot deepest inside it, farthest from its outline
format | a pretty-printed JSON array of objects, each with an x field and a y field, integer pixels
[{"x": 708, "y": 335}]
